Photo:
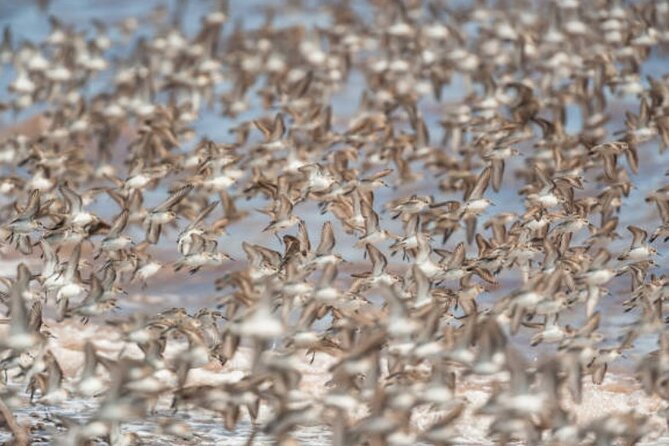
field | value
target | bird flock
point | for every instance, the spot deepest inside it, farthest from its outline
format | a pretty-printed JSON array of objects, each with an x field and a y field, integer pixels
[{"x": 473, "y": 174}]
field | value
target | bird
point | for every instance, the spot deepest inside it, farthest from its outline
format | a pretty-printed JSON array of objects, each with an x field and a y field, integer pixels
[
  {"x": 282, "y": 215},
  {"x": 475, "y": 204},
  {"x": 638, "y": 250},
  {"x": 115, "y": 240},
  {"x": 163, "y": 214}
]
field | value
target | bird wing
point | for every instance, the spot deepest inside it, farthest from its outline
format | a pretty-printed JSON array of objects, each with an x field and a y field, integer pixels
[
  {"x": 174, "y": 198},
  {"x": 119, "y": 224},
  {"x": 638, "y": 235},
  {"x": 379, "y": 261},
  {"x": 33, "y": 206},
  {"x": 327, "y": 241},
  {"x": 73, "y": 199},
  {"x": 203, "y": 214},
  {"x": 481, "y": 184}
]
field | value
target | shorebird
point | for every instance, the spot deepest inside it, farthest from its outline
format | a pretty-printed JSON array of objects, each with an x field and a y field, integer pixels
[
  {"x": 282, "y": 215},
  {"x": 475, "y": 204},
  {"x": 273, "y": 132},
  {"x": 202, "y": 252},
  {"x": 163, "y": 214},
  {"x": 96, "y": 302},
  {"x": 639, "y": 250},
  {"x": 25, "y": 223},
  {"x": 115, "y": 240},
  {"x": 90, "y": 383},
  {"x": 596, "y": 275},
  {"x": 71, "y": 285},
  {"x": 49, "y": 383},
  {"x": 610, "y": 151},
  {"x": 373, "y": 232},
  {"x": 22, "y": 334},
  {"x": 378, "y": 273},
  {"x": 76, "y": 215},
  {"x": 185, "y": 239}
]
